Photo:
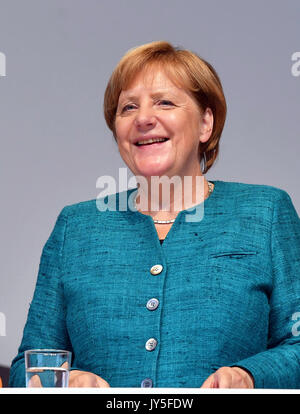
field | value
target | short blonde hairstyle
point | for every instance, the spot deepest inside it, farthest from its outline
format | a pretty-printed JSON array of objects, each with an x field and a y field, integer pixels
[{"x": 186, "y": 69}]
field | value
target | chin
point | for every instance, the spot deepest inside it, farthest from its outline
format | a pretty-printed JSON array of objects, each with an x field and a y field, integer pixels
[
  {"x": 151, "y": 172},
  {"x": 153, "y": 169}
]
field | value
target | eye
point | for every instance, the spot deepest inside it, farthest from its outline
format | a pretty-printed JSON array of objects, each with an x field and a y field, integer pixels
[
  {"x": 127, "y": 107},
  {"x": 165, "y": 102}
]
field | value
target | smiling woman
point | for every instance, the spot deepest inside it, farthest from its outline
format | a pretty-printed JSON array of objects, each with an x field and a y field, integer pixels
[
  {"x": 146, "y": 297},
  {"x": 177, "y": 124}
]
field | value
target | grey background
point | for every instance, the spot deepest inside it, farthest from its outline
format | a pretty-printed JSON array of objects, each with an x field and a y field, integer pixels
[{"x": 54, "y": 140}]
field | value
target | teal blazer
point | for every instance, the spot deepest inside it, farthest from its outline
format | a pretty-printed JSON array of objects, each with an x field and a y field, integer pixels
[{"x": 227, "y": 292}]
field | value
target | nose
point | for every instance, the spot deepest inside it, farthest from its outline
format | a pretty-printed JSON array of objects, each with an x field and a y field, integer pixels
[{"x": 145, "y": 119}]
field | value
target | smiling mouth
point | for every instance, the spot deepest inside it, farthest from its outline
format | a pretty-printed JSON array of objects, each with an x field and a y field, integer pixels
[{"x": 151, "y": 142}]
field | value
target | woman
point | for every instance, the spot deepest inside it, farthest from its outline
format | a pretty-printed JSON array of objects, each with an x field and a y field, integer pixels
[{"x": 211, "y": 304}]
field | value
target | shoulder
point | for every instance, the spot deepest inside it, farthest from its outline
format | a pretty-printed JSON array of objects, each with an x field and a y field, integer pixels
[
  {"x": 81, "y": 208},
  {"x": 258, "y": 201},
  {"x": 101, "y": 208},
  {"x": 253, "y": 192}
]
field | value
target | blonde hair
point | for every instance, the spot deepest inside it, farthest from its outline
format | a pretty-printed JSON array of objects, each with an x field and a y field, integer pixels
[{"x": 187, "y": 70}]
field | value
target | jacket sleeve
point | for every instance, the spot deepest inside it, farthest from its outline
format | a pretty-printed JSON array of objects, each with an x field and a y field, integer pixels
[
  {"x": 45, "y": 326},
  {"x": 279, "y": 365}
]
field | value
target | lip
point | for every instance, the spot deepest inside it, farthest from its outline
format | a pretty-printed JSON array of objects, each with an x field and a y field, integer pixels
[
  {"x": 152, "y": 147},
  {"x": 144, "y": 137}
]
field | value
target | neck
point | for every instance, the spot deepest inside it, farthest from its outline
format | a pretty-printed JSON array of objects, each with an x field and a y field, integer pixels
[{"x": 163, "y": 198}]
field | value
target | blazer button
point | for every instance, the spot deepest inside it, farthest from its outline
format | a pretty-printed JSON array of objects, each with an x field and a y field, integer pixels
[
  {"x": 147, "y": 383},
  {"x": 151, "y": 344},
  {"x": 156, "y": 269},
  {"x": 152, "y": 304}
]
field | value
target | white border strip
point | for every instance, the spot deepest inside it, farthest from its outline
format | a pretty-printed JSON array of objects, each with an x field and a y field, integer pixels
[{"x": 144, "y": 391}]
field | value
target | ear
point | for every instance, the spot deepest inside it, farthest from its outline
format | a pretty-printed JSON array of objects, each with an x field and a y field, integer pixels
[{"x": 206, "y": 125}]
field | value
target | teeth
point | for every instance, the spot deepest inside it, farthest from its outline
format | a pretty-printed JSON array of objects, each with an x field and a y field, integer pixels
[{"x": 150, "y": 141}]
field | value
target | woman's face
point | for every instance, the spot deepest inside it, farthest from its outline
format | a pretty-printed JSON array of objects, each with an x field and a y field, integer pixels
[{"x": 154, "y": 107}]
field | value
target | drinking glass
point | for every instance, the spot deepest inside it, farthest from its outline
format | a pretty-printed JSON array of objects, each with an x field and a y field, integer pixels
[{"x": 47, "y": 368}]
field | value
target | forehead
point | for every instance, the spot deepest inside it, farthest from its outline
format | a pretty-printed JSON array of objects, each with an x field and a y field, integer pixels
[{"x": 152, "y": 81}]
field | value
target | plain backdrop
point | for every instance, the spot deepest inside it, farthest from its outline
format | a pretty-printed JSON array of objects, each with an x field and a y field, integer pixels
[{"x": 54, "y": 140}]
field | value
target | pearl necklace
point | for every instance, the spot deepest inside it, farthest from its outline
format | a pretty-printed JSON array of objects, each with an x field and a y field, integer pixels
[{"x": 210, "y": 190}]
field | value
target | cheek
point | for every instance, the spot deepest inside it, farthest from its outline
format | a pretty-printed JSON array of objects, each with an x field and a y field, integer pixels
[
  {"x": 121, "y": 131},
  {"x": 118, "y": 129},
  {"x": 189, "y": 126},
  {"x": 172, "y": 119},
  {"x": 180, "y": 122}
]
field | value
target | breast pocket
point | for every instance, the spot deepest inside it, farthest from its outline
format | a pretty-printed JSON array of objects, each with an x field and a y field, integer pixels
[
  {"x": 236, "y": 254},
  {"x": 242, "y": 266}
]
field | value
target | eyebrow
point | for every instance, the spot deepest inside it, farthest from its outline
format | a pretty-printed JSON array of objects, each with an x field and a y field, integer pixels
[{"x": 157, "y": 94}]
